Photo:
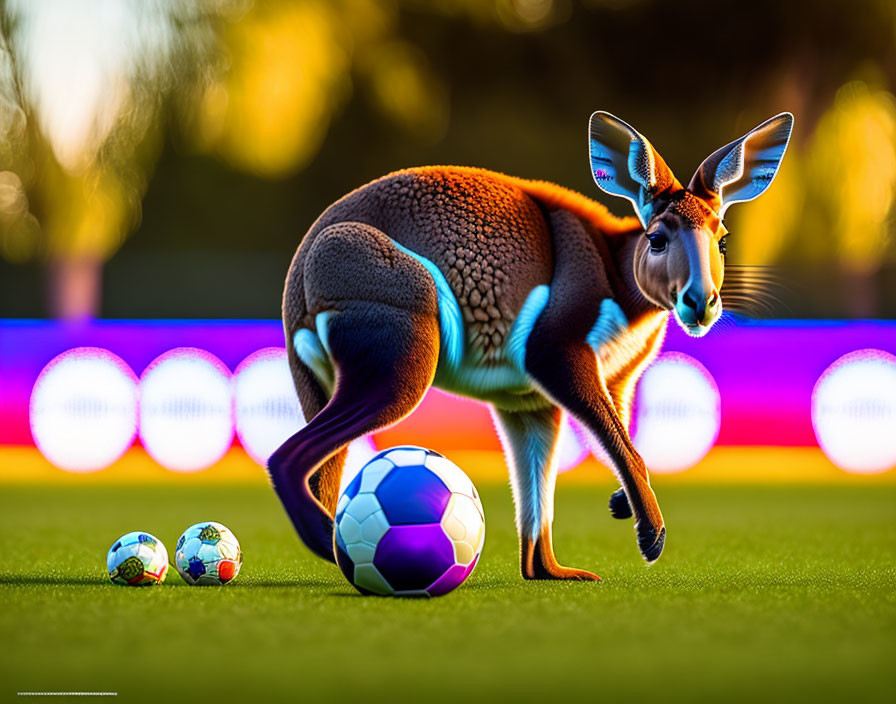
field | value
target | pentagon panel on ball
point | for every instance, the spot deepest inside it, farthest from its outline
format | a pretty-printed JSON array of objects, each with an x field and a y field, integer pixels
[
  {"x": 409, "y": 524},
  {"x": 208, "y": 553}
]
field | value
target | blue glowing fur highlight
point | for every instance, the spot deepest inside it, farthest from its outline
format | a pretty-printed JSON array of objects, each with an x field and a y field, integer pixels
[
  {"x": 522, "y": 326},
  {"x": 309, "y": 349},
  {"x": 451, "y": 322},
  {"x": 321, "y": 322},
  {"x": 610, "y": 323}
]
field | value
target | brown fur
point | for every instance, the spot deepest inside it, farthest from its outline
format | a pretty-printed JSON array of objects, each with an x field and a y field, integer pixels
[
  {"x": 485, "y": 234},
  {"x": 494, "y": 238}
]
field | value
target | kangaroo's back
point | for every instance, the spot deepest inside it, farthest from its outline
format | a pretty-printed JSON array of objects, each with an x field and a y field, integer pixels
[{"x": 486, "y": 233}]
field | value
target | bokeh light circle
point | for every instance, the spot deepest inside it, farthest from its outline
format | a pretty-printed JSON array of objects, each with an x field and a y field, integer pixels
[
  {"x": 186, "y": 409},
  {"x": 265, "y": 403},
  {"x": 677, "y": 413},
  {"x": 854, "y": 411},
  {"x": 83, "y": 409}
]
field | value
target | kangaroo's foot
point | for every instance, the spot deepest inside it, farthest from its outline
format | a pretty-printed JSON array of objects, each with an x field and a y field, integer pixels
[
  {"x": 530, "y": 441},
  {"x": 538, "y": 561},
  {"x": 650, "y": 541},
  {"x": 619, "y": 505}
]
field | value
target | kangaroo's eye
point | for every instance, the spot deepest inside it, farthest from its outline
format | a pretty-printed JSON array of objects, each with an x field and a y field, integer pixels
[
  {"x": 723, "y": 246},
  {"x": 658, "y": 241}
]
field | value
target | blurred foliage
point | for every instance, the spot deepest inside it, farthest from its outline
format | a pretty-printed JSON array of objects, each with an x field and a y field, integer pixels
[
  {"x": 287, "y": 69},
  {"x": 283, "y": 75},
  {"x": 855, "y": 143},
  {"x": 833, "y": 198},
  {"x": 83, "y": 88},
  {"x": 226, "y": 126}
]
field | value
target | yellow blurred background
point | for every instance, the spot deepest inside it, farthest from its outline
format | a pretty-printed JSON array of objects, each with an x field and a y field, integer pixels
[{"x": 144, "y": 140}]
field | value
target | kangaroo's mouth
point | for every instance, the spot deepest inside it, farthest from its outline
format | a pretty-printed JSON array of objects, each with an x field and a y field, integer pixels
[
  {"x": 692, "y": 329},
  {"x": 696, "y": 330}
]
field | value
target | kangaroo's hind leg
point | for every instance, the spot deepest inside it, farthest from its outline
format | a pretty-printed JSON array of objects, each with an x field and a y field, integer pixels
[
  {"x": 530, "y": 443},
  {"x": 381, "y": 333}
]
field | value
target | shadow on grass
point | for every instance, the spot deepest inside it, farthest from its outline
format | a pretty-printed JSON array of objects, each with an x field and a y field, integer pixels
[
  {"x": 24, "y": 580},
  {"x": 285, "y": 583}
]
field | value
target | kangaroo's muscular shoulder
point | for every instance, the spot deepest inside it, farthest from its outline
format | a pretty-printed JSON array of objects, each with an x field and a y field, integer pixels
[{"x": 485, "y": 231}]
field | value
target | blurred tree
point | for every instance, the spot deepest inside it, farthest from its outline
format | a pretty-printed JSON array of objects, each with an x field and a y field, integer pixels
[
  {"x": 832, "y": 202},
  {"x": 851, "y": 166},
  {"x": 83, "y": 87},
  {"x": 287, "y": 69},
  {"x": 281, "y": 77}
]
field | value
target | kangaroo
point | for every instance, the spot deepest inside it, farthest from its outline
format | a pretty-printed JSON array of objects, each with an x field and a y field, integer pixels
[{"x": 522, "y": 294}]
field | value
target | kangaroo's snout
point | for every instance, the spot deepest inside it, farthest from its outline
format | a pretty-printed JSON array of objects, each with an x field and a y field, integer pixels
[
  {"x": 696, "y": 303},
  {"x": 698, "y": 309}
]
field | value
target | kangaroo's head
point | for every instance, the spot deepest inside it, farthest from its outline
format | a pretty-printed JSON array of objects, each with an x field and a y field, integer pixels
[{"x": 679, "y": 262}]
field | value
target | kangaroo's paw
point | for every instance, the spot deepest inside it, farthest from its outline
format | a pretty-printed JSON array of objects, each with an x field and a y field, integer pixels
[
  {"x": 538, "y": 562},
  {"x": 650, "y": 541},
  {"x": 619, "y": 506}
]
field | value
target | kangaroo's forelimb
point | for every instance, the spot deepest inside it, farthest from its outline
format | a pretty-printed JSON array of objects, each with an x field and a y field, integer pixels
[
  {"x": 561, "y": 358},
  {"x": 621, "y": 388},
  {"x": 567, "y": 371}
]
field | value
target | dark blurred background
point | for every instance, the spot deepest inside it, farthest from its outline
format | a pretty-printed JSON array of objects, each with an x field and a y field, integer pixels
[{"x": 164, "y": 158}]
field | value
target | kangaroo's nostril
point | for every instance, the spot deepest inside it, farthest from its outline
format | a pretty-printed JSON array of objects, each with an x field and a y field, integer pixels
[
  {"x": 692, "y": 300},
  {"x": 695, "y": 299},
  {"x": 714, "y": 299}
]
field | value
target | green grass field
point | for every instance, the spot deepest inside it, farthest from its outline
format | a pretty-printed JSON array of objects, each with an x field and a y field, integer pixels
[{"x": 763, "y": 594}]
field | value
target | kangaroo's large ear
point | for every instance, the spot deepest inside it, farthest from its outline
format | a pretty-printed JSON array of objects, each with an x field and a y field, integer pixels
[
  {"x": 623, "y": 163},
  {"x": 743, "y": 169}
]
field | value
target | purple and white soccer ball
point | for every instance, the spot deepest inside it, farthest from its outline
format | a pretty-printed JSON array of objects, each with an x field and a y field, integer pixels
[{"x": 409, "y": 524}]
